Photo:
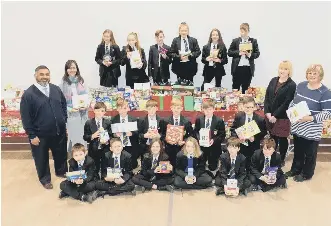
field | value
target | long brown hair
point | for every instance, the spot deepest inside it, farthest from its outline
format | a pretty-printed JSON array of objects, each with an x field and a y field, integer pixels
[
  {"x": 154, "y": 140},
  {"x": 137, "y": 45},
  {"x": 220, "y": 39},
  {"x": 111, "y": 34},
  {"x": 66, "y": 75}
]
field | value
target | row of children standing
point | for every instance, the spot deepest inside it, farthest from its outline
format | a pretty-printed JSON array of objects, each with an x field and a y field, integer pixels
[
  {"x": 182, "y": 54},
  {"x": 124, "y": 149}
]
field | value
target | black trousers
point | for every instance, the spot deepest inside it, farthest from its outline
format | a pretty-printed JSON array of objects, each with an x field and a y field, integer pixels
[
  {"x": 305, "y": 154},
  {"x": 143, "y": 181},
  {"x": 242, "y": 78},
  {"x": 135, "y": 153},
  {"x": 202, "y": 182},
  {"x": 141, "y": 79},
  {"x": 58, "y": 146},
  {"x": 282, "y": 144},
  {"x": 76, "y": 191},
  {"x": 97, "y": 155},
  {"x": 266, "y": 187},
  {"x": 211, "y": 154},
  {"x": 246, "y": 183},
  {"x": 211, "y": 73},
  {"x": 185, "y": 71},
  {"x": 114, "y": 189},
  {"x": 247, "y": 151},
  {"x": 171, "y": 151}
]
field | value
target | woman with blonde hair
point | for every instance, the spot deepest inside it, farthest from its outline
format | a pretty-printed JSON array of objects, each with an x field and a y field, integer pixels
[
  {"x": 307, "y": 131},
  {"x": 280, "y": 93},
  {"x": 184, "y": 51},
  {"x": 190, "y": 167},
  {"x": 108, "y": 56},
  {"x": 135, "y": 68}
]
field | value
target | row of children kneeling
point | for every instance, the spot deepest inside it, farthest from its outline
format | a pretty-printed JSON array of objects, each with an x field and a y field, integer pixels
[{"x": 189, "y": 159}]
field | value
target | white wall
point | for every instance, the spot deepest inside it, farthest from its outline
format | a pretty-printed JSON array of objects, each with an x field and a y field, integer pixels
[{"x": 50, "y": 33}]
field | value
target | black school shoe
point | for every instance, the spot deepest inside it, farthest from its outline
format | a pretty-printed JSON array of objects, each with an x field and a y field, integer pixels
[
  {"x": 300, "y": 178},
  {"x": 63, "y": 195},
  {"x": 219, "y": 191},
  {"x": 289, "y": 174},
  {"x": 90, "y": 197},
  {"x": 168, "y": 188}
]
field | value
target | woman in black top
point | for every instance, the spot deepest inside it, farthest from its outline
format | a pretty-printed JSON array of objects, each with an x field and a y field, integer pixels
[
  {"x": 280, "y": 93},
  {"x": 214, "y": 56},
  {"x": 108, "y": 56}
]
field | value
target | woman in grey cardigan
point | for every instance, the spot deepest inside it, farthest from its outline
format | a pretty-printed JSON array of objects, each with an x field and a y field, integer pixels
[
  {"x": 73, "y": 84},
  {"x": 307, "y": 132}
]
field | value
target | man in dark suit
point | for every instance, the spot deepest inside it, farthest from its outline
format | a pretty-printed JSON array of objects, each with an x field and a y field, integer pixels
[
  {"x": 243, "y": 67},
  {"x": 150, "y": 127},
  {"x": 184, "y": 51},
  {"x": 119, "y": 159},
  {"x": 178, "y": 120},
  {"x": 92, "y": 130},
  {"x": 233, "y": 166},
  {"x": 130, "y": 140},
  {"x": 262, "y": 161},
  {"x": 44, "y": 116},
  {"x": 217, "y": 133},
  {"x": 241, "y": 118},
  {"x": 159, "y": 61},
  {"x": 81, "y": 189}
]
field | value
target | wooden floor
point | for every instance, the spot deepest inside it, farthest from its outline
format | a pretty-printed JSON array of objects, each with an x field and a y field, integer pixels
[{"x": 26, "y": 203}]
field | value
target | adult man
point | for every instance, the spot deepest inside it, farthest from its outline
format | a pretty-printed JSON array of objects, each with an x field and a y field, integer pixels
[{"x": 44, "y": 116}]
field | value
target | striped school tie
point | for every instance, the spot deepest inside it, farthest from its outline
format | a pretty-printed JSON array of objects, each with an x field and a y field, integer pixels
[
  {"x": 186, "y": 46},
  {"x": 232, "y": 172},
  {"x": 208, "y": 124},
  {"x": 125, "y": 137},
  {"x": 266, "y": 164},
  {"x": 154, "y": 165},
  {"x": 116, "y": 164}
]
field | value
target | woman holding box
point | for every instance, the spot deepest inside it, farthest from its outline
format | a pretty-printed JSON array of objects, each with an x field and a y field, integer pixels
[
  {"x": 133, "y": 56},
  {"x": 73, "y": 85},
  {"x": 108, "y": 56}
]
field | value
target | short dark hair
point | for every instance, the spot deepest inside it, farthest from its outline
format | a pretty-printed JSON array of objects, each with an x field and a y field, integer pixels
[
  {"x": 40, "y": 67},
  {"x": 113, "y": 140},
  {"x": 233, "y": 142},
  {"x": 268, "y": 142},
  {"x": 99, "y": 105}
]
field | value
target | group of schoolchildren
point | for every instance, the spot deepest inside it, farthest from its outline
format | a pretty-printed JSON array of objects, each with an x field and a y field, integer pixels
[{"x": 243, "y": 160}]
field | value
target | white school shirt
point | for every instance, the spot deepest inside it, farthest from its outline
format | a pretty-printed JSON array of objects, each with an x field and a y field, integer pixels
[
  {"x": 126, "y": 119},
  {"x": 183, "y": 44},
  {"x": 118, "y": 158},
  {"x": 42, "y": 88}
]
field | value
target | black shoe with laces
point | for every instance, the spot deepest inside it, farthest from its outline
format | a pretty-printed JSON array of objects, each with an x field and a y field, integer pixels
[
  {"x": 300, "y": 178},
  {"x": 219, "y": 191}
]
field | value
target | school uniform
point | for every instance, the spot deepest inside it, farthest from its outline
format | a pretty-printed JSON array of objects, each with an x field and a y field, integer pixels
[
  {"x": 242, "y": 67},
  {"x": 131, "y": 144},
  {"x": 124, "y": 162},
  {"x": 241, "y": 119},
  {"x": 215, "y": 69},
  {"x": 183, "y": 162},
  {"x": 184, "y": 70},
  {"x": 217, "y": 133},
  {"x": 109, "y": 75},
  {"x": 134, "y": 75},
  {"x": 258, "y": 168},
  {"x": 96, "y": 150},
  {"x": 170, "y": 149},
  {"x": 74, "y": 190},
  {"x": 232, "y": 169},
  {"x": 147, "y": 177},
  {"x": 145, "y": 124},
  {"x": 158, "y": 67}
]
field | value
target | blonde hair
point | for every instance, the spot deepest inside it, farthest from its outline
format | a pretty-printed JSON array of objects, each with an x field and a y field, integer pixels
[
  {"x": 315, "y": 68},
  {"x": 184, "y": 24},
  {"x": 208, "y": 103},
  {"x": 137, "y": 45},
  {"x": 288, "y": 65},
  {"x": 111, "y": 34},
  {"x": 176, "y": 102},
  {"x": 197, "y": 151}
]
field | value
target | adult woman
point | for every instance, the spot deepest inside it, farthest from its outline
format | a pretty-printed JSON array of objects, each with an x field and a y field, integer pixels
[
  {"x": 307, "y": 132},
  {"x": 73, "y": 84},
  {"x": 280, "y": 93},
  {"x": 214, "y": 56},
  {"x": 108, "y": 56}
]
